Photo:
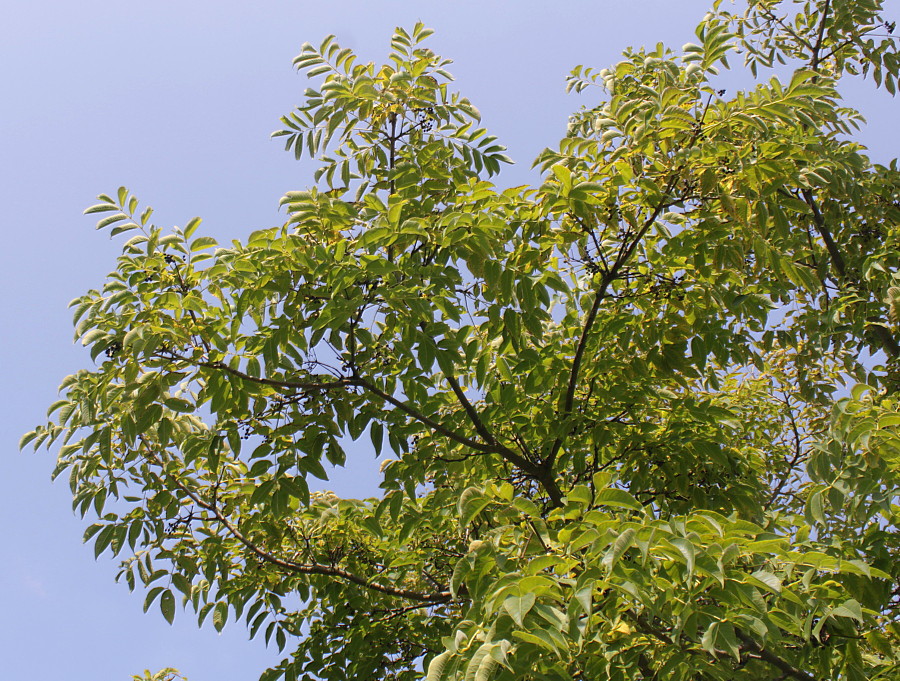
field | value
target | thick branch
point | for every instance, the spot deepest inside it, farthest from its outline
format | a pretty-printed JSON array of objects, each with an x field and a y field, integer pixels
[
  {"x": 883, "y": 336},
  {"x": 748, "y": 643},
  {"x": 355, "y": 381},
  {"x": 747, "y": 646},
  {"x": 608, "y": 277},
  {"x": 471, "y": 412},
  {"x": 422, "y": 418},
  {"x": 359, "y": 382},
  {"x": 820, "y": 38},
  {"x": 837, "y": 258},
  {"x": 492, "y": 447},
  {"x": 589, "y": 320}
]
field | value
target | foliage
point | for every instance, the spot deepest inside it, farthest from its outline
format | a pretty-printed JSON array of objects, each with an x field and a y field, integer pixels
[
  {"x": 610, "y": 409},
  {"x": 167, "y": 674}
]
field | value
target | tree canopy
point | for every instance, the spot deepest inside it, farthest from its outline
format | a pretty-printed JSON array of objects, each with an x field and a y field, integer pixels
[{"x": 637, "y": 422}]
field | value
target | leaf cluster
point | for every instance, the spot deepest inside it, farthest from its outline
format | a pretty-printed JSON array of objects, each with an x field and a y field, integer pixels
[{"x": 607, "y": 406}]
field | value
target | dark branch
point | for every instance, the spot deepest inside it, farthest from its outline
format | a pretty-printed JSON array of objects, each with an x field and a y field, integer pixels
[
  {"x": 608, "y": 277},
  {"x": 882, "y": 335},
  {"x": 275, "y": 383},
  {"x": 790, "y": 670},
  {"x": 820, "y": 38},
  {"x": 304, "y": 568},
  {"x": 471, "y": 412},
  {"x": 422, "y": 418},
  {"x": 492, "y": 447},
  {"x": 747, "y": 646}
]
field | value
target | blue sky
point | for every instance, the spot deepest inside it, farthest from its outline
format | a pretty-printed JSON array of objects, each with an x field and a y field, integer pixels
[{"x": 176, "y": 100}]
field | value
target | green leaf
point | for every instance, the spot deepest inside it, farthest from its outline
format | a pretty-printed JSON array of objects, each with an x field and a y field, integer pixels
[
  {"x": 104, "y": 537},
  {"x": 101, "y": 208},
  {"x": 474, "y": 670},
  {"x": 26, "y": 438},
  {"x": 167, "y": 605},
  {"x": 721, "y": 636},
  {"x": 151, "y": 596},
  {"x": 584, "y": 596},
  {"x": 765, "y": 580},
  {"x": 487, "y": 667},
  {"x": 527, "y": 507},
  {"x": 539, "y": 638},
  {"x": 181, "y": 583},
  {"x": 437, "y": 665},
  {"x": 376, "y": 434},
  {"x": 617, "y": 497},
  {"x": 519, "y": 606},
  {"x": 687, "y": 549},
  {"x": 191, "y": 227},
  {"x": 472, "y": 505},
  {"x": 202, "y": 243},
  {"x": 622, "y": 543},
  {"x": 220, "y": 615},
  {"x": 849, "y": 608},
  {"x": 815, "y": 508},
  {"x": 111, "y": 220}
]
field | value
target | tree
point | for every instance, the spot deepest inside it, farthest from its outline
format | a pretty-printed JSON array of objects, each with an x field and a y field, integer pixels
[{"x": 610, "y": 406}]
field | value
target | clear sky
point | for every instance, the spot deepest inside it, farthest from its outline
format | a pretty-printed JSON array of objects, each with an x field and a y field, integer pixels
[{"x": 176, "y": 100}]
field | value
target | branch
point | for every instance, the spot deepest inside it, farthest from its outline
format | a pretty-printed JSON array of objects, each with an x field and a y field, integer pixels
[
  {"x": 275, "y": 383},
  {"x": 472, "y": 413},
  {"x": 773, "y": 659},
  {"x": 610, "y": 276},
  {"x": 837, "y": 48},
  {"x": 792, "y": 463},
  {"x": 394, "y": 613},
  {"x": 359, "y": 382},
  {"x": 467, "y": 406},
  {"x": 834, "y": 252},
  {"x": 493, "y": 447},
  {"x": 748, "y": 645},
  {"x": 883, "y": 336},
  {"x": 482, "y": 429},
  {"x": 422, "y": 418},
  {"x": 787, "y": 28},
  {"x": 623, "y": 257},
  {"x": 305, "y": 568},
  {"x": 820, "y": 38}
]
